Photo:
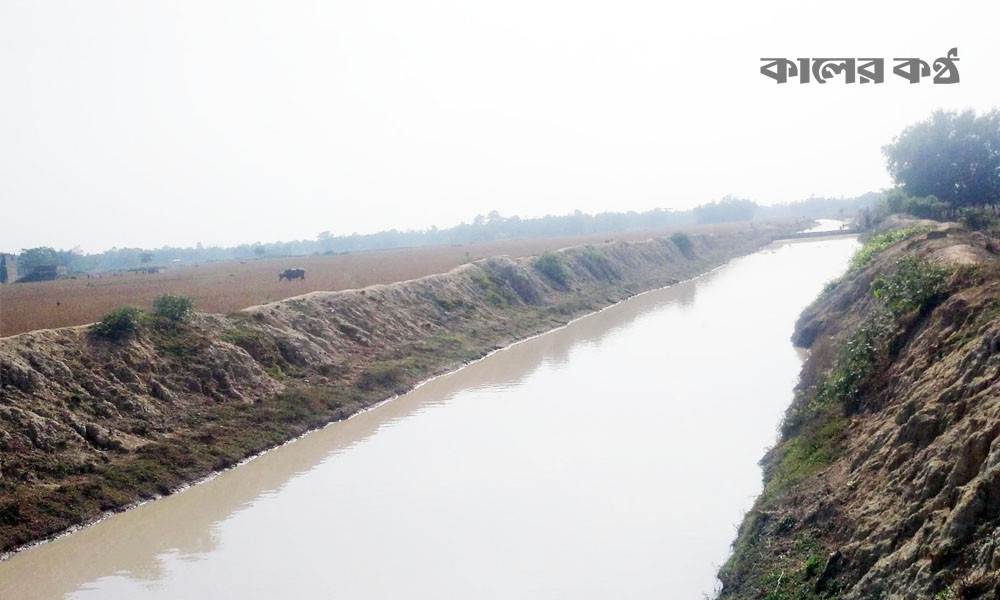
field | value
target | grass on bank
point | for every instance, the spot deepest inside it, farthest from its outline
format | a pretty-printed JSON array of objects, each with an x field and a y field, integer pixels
[
  {"x": 879, "y": 242},
  {"x": 864, "y": 255},
  {"x": 683, "y": 243},
  {"x": 814, "y": 428},
  {"x": 551, "y": 265},
  {"x": 123, "y": 321}
]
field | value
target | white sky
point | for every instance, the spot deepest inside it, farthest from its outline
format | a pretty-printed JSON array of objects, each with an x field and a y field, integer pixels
[{"x": 150, "y": 123}]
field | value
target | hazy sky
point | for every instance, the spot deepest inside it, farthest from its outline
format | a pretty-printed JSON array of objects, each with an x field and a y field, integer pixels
[{"x": 150, "y": 123}]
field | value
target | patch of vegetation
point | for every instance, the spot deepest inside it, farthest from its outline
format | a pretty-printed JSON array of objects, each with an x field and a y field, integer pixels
[
  {"x": 118, "y": 324},
  {"x": 813, "y": 428},
  {"x": 495, "y": 299},
  {"x": 774, "y": 562},
  {"x": 551, "y": 265},
  {"x": 879, "y": 242},
  {"x": 594, "y": 254},
  {"x": 572, "y": 307},
  {"x": 510, "y": 283},
  {"x": 443, "y": 346},
  {"x": 275, "y": 372},
  {"x": 481, "y": 280},
  {"x": 173, "y": 308},
  {"x": 597, "y": 264},
  {"x": 913, "y": 284},
  {"x": 308, "y": 406},
  {"x": 495, "y": 290},
  {"x": 814, "y": 446},
  {"x": 683, "y": 242},
  {"x": 924, "y": 207},
  {"x": 179, "y": 342},
  {"x": 856, "y": 362},
  {"x": 452, "y": 304},
  {"x": 261, "y": 348},
  {"x": 385, "y": 375},
  {"x": 978, "y": 218},
  {"x": 812, "y": 566}
]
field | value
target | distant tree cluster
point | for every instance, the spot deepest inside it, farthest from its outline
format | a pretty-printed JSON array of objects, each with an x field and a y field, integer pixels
[
  {"x": 818, "y": 207},
  {"x": 35, "y": 258},
  {"x": 946, "y": 164},
  {"x": 484, "y": 228},
  {"x": 728, "y": 209}
]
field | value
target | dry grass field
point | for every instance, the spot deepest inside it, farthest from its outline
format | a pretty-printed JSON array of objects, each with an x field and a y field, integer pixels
[{"x": 227, "y": 286}]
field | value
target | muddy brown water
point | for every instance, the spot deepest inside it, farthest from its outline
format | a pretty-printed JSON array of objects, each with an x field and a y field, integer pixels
[{"x": 610, "y": 458}]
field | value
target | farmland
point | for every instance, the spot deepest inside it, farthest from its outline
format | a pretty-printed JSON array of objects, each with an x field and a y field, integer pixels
[{"x": 223, "y": 287}]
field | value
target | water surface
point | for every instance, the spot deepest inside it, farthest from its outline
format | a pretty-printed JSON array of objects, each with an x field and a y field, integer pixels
[
  {"x": 611, "y": 458},
  {"x": 831, "y": 225}
]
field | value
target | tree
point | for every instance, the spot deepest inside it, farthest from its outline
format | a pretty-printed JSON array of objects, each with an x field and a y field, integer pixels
[
  {"x": 33, "y": 258},
  {"x": 146, "y": 257},
  {"x": 729, "y": 208},
  {"x": 952, "y": 156}
]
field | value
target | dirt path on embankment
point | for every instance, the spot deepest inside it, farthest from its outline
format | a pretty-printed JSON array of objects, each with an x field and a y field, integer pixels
[{"x": 90, "y": 425}]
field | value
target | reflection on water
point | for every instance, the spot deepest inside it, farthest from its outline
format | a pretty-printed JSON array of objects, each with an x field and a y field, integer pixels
[
  {"x": 609, "y": 458},
  {"x": 826, "y": 225}
]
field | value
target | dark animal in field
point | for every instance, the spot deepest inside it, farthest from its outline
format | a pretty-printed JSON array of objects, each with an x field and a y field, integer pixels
[{"x": 291, "y": 274}]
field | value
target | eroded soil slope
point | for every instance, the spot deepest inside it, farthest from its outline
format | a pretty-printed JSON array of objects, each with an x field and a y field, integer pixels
[
  {"x": 90, "y": 425},
  {"x": 885, "y": 482}
]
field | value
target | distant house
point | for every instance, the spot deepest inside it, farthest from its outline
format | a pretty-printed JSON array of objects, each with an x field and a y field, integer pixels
[{"x": 8, "y": 267}]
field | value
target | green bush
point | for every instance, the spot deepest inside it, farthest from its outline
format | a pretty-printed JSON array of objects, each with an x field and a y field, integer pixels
[
  {"x": 878, "y": 243},
  {"x": 812, "y": 566},
  {"x": 683, "y": 242},
  {"x": 118, "y": 323},
  {"x": 978, "y": 218},
  {"x": 550, "y": 265},
  {"x": 925, "y": 207},
  {"x": 911, "y": 286},
  {"x": 857, "y": 362},
  {"x": 174, "y": 308}
]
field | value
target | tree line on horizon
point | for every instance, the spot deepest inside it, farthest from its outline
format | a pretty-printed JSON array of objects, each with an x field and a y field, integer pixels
[
  {"x": 945, "y": 167},
  {"x": 484, "y": 228}
]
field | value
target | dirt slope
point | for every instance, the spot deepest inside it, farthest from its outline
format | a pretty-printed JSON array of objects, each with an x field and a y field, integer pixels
[
  {"x": 886, "y": 480},
  {"x": 89, "y": 425}
]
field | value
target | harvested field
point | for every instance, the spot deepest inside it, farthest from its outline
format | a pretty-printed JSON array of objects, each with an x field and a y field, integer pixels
[{"x": 223, "y": 287}]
